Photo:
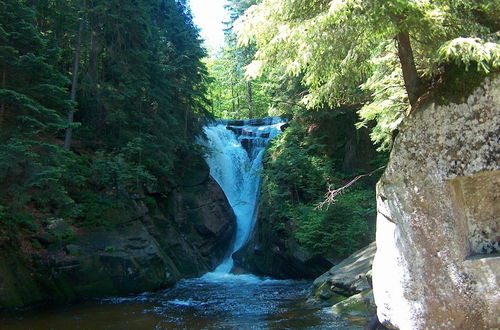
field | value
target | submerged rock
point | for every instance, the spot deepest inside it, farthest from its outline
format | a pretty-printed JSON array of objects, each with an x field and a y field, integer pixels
[{"x": 437, "y": 265}]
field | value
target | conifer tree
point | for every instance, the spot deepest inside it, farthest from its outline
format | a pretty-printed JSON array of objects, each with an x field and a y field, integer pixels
[
  {"x": 32, "y": 91},
  {"x": 336, "y": 46}
]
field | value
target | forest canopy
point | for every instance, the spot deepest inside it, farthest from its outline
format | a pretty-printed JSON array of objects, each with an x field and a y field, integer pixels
[
  {"x": 125, "y": 79},
  {"x": 384, "y": 54}
]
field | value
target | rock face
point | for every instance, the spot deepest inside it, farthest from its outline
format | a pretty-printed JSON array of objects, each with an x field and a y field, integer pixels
[
  {"x": 268, "y": 255},
  {"x": 186, "y": 234},
  {"x": 437, "y": 264},
  {"x": 351, "y": 276}
]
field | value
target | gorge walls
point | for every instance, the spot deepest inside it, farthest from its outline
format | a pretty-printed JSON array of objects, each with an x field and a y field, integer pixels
[{"x": 183, "y": 234}]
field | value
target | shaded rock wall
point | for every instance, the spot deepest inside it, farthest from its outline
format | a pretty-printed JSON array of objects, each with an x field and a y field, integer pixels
[
  {"x": 187, "y": 234},
  {"x": 437, "y": 264}
]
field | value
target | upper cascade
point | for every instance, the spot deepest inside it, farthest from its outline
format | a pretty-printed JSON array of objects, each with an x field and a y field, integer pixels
[{"x": 235, "y": 159}]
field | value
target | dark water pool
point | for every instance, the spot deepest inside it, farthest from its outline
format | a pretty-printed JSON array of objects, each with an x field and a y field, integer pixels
[{"x": 228, "y": 302}]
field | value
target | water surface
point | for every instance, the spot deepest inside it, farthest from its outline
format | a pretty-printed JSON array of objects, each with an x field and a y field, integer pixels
[{"x": 229, "y": 302}]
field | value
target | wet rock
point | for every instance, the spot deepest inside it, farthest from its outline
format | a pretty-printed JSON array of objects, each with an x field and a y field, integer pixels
[
  {"x": 146, "y": 251},
  {"x": 236, "y": 123},
  {"x": 264, "y": 135},
  {"x": 349, "y": 277},
  {"x": 246, "y": 144},
  {"x": 284, "y": 127},
  {"x": 257, "y": 121},
  {"x": 437, "y": 225},
  {"x": 235, "y": 130}
]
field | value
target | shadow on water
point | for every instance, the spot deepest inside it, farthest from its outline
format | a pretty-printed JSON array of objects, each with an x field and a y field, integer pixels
[{"x": 244, "y": 302}]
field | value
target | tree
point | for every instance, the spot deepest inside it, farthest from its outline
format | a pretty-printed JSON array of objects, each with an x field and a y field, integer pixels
[
  {"x": 336, "y": 45},
  {"x": 141, "y": 86},
  {"x": 32, "y": 93}
]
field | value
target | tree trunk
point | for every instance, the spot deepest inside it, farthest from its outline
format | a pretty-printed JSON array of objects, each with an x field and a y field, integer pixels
[
  {"x": 410, "y": 75},
  {"x": 250, "y": 101},
  {"x": 2, "y": 106},
  {"x": 186, "y": 115},
  {"x": 71, "y": 113}
]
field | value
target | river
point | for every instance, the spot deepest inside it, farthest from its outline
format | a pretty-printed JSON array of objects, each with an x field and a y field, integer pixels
[
  {"x": 218, "y": 300},
  {"x": 236, "y": 302}
]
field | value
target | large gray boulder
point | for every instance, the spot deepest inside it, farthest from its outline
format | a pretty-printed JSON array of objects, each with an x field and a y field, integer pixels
[
  {"x": 349, "y": 277},
  {"x": 437, "y": 264}
]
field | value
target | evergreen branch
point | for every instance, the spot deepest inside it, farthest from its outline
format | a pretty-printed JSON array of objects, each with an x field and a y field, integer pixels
[{"x": 331, "y": 194}]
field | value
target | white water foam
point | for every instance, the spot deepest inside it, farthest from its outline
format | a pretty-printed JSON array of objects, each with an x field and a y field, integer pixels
[{"x": 235, "y": 159}]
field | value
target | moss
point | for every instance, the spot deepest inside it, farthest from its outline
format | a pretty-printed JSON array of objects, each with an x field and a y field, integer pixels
[
  {"x": 359, "y": 304},
  {"x": 458, "y": 83}
]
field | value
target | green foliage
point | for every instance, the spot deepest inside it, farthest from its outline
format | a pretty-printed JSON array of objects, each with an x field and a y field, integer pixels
[
  {"x": 389, "y": 98},
  {"x": 139, "y": 99},
  {"x": 471, "y": 51},
  {"x": 118, "y": 174},
  {"x": 298, "y": 165},
  {"x": 34, "y": 179},
  {"x": 346, "y": 226},
  {"x": 344, "y": 51}
]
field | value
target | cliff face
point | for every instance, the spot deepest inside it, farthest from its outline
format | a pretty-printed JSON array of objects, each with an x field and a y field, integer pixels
[
  {"x": 186, "y": 234},
  {"x": 437, "y": 263}
]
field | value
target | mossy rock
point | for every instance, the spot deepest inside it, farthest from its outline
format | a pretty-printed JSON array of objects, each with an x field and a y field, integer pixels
[
  {"x": 361, "y": 304},
  {"x": 323, "y": 295}
]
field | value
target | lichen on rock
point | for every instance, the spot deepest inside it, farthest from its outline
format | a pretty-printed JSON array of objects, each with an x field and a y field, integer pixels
[{"x": 437, "y": 223}]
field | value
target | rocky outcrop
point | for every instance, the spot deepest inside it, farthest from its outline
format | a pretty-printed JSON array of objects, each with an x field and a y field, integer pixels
[
  {"x": 272, "y": 254},
  {"x": 184, "y": 234},
  {"x": 349, "y": 277},
  {"x": 437, "y": 264},
  {"x": 347, "y": 288}
]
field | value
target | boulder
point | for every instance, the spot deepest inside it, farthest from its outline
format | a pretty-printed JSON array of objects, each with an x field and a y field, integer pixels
[
  {"x": 361, "y": 305},
  {"x": 349, "y": 277},
  {"x": 437, "y": 264}
]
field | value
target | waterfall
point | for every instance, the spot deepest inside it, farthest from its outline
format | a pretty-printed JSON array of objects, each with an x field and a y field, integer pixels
[{"x": 235, "y": 158}]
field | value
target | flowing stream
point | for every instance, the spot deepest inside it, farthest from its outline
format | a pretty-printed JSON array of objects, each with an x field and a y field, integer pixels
[
  {"x": 235, "y": 159},
  {"x": 217, "y": 300}
]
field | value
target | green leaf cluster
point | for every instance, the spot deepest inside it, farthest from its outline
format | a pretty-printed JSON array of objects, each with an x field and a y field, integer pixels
[{"x": 345, "y": 51}]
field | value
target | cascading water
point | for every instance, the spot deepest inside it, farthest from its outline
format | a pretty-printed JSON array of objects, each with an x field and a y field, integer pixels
[{"x": 235, "y": 158}]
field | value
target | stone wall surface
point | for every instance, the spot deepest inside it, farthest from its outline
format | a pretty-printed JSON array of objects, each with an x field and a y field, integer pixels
[
  {"x": 187, "y": 234},
  {"x": 437, "y": 264}
]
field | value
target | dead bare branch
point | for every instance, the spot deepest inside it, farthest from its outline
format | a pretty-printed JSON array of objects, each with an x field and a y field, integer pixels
[{"x": 331, "y": 194}]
